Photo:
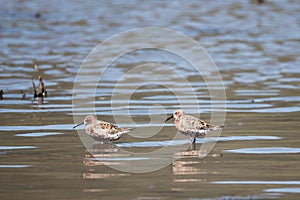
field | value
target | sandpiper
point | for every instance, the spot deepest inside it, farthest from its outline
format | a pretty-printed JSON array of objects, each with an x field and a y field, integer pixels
[
  {"x": 101, "y": 130},
  {"x": 192, "y": 126}
]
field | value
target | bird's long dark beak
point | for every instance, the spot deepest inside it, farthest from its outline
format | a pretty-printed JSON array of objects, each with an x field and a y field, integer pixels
[
  {"x": 169, "y": 118},
  {"x": 78, "y": 125}
]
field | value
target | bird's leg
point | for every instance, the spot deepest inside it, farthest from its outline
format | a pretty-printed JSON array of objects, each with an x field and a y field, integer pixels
[{"x": 193, "y": 143}]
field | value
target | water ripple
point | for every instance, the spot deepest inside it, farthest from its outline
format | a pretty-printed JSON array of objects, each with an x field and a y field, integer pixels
[
  {"x": 258, "y": 182},
  {"x": 283, "y": 190},
  {"x": 17, "y": 147},
  {"x": 14, "y": 166},
  {"x": 38, "y": 134},
  {"x": 265, "y": 150},
  {"x": 45, "y": 127},
  {"x": 199, "y": 140}
]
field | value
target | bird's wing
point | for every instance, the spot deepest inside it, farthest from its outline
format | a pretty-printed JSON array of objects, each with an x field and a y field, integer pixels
[
  {"x": 106, "y": 128},
  {"x": 194, "y": 125},
  {"x": 203, "y": 125},
  {"x": 197, "y": 123}
]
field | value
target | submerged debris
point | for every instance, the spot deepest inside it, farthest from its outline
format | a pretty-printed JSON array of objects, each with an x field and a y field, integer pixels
[
  {"x": 258, "y": 1},
  {"x": 34, "y": 89},
  {"x": 38, "y": 15},
  {"x": 41, "y": 92},
  {"x": 23, "y": 94},
  {"x": 1, "y": 94}
]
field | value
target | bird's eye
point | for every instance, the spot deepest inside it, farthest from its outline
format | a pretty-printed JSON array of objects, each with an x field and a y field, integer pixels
[{"x": 176, "y": 113}]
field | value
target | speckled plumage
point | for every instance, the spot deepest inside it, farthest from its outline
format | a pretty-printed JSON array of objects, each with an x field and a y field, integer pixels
[
  {"x": 101, "y": 130},
  {"x": 192, "y": 126}
]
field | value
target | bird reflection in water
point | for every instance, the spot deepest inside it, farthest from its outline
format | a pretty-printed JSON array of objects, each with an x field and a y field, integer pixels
[
  {"x": 96, "y": 160},
  {"x": 186, "y": 168},
  {"x": 98, "y": 153}
]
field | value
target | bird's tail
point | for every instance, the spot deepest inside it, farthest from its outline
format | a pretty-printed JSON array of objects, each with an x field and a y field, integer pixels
[
  {"x": 214, "y": 128},
  {"x": 126, "y": 130}
]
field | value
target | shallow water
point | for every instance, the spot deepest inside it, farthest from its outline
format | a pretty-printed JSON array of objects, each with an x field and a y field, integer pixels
[{"x": 256, "y": 49}]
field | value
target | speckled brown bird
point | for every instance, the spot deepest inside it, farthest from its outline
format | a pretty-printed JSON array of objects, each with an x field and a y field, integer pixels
[
  {"x": 192, "y": 126},
  {"x": 101, "y": 130}
]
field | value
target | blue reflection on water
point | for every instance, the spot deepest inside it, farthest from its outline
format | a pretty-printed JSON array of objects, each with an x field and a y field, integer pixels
[{"x": 265, "y": 150}]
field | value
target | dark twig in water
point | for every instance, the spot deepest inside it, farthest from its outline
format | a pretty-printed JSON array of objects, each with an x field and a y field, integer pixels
[
  {"x": 1, "y": 94},
  {"x": 36, "y": 69},
  {"x": 34, "y": 89},
  {"x": 258, "y": 1},
  {"x": 37, "y": 15},
  {"x": 23, "y": 94},
  {"x": 41, "y": 92}
]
